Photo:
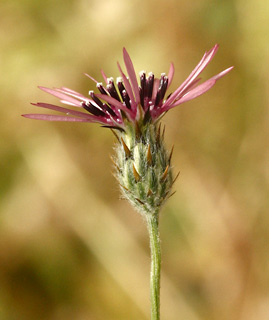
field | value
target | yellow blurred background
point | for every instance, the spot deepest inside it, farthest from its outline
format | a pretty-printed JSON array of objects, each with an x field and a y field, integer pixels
[{"x": 69, "y": 247}]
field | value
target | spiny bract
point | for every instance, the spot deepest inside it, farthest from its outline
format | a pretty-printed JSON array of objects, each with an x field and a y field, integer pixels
[{"x": 143, "y": 167}]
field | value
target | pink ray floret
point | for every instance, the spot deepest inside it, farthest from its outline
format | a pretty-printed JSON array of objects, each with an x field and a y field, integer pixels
[{"x": 127, "y": 100}]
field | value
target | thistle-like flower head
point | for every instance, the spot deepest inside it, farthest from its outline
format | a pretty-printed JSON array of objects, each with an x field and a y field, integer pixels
[
  {"x": 143, "y": 166},
  {"x": 128, "y": 101}
]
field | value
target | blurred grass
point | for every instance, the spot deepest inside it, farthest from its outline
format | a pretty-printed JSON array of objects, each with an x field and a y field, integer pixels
[{"x": 70, "y": 249}]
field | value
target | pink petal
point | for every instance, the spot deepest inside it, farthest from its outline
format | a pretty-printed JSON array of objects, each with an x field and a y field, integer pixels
[
  {"x": 208, "y": 56},
  {"x": 87, "y": 75},
  {"x": 128, "y": 87},
  {"x": 61, "y": 96},
  {"x": 170, "y": 74},
  {"x": 222, "y": 74},
  {"x": 64, "y": 110},
  {"x": 194, "y": 93},
  {"x": 49, "y": 117},
  {"x": 193, "y": 83},
  {"x": 68, "y": 103},
  {"x": 113, "y": 102},
  {"x": 104, "y": 76},
  {"x": 131, "y": 73},
  {"x": 188, "y": 88},
  {"x": 72, "y": 93}
]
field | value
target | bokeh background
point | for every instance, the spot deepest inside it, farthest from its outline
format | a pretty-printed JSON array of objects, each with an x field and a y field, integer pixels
[{"x": 69, "y": 247}]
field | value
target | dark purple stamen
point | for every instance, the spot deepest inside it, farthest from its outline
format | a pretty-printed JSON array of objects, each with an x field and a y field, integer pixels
[
  {"x": 109, "y": 110},
  {"x": 93, "y": 109},
  {"x": 150, "y": 82},
  {"x": 102, "y": 105},
  {"x": 101, "y": 88},
  {"x": 143, "y": 88},
  {"x": 96, "y": 100},
  {"x": 164, "y": 87},
  {"x": 141, "y": 93},
  {"x": 143, "y": 81},
  {"x": 112, "y": 90},
  {"x": 161, "y": 90},
  {"x": 158, "y": 98},
  {"x": 120, "y": 87},
  {"x": 126, "y": 99}
]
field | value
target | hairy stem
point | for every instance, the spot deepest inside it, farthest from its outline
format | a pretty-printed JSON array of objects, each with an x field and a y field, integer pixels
[{"x": 153, "y": 228}]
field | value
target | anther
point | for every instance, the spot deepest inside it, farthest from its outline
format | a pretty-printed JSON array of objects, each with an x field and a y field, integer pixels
[
  {"x": 109, "y": 110},
  {"x": 163, "y": 87},
  {"x": 141, "y": 94},
  {"x": 143, "y": 88},
  {"x": 143, "y": 82},
  {"x": 120, "y": 86},
  {"x": 126, "y": 99},
  {"x": 101, "y": 88},
  {"x": 150, "y": 82},
  {"x": 92, "y": 109},
  {"x": 158, "y": 98},
  {"x": 112, "y": 90},
  {"x": 95, "y": 99}
]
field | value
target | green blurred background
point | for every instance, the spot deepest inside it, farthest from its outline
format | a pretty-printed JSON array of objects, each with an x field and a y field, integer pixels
[{"x": 69, "y": 247}]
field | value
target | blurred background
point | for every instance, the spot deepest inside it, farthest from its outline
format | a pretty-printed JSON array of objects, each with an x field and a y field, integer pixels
[{"x": 69, "y": 247}]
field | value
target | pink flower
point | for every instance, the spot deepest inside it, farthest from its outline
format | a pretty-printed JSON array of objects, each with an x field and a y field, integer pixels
[{"x": 127, "y": 100}]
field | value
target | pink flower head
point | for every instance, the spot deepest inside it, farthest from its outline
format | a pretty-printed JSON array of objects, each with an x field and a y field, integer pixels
[{"x": 127, "y": 100}]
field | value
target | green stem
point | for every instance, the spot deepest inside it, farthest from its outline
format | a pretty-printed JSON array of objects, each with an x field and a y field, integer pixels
[{"x": 153, "y": 228}]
